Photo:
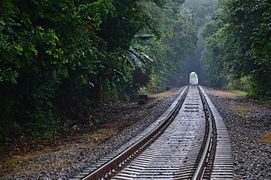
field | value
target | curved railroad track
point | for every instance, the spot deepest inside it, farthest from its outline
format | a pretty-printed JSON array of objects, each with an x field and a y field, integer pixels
[{"x": 189, "y": 141}]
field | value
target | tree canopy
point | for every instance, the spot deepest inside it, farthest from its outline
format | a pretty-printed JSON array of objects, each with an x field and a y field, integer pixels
[
  {"x": 60, "y": 58},
  {"x": 238, "y": 45}
]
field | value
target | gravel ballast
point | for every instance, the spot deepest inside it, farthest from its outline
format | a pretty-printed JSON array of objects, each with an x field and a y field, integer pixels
[
  {"x": 83, "y": 152},
  {"x": 247, "y": 122}
]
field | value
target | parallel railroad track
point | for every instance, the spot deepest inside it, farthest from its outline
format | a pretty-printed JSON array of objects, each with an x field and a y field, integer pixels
[{"x": 190, "y": 141}]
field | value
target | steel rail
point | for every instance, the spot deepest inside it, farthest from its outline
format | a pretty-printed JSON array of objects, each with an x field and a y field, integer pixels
[
  {"x": 209, "y": 145},
  {"x": 111, "y": 167}
]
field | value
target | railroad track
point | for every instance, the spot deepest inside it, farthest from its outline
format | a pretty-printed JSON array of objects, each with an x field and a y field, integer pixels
[{"x": 189, "y": 141}]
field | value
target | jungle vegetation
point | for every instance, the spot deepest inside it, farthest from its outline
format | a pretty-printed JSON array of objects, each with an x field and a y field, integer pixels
[
  {"x": 60, "y": 58},
  {"x": 238, "y": 46}
]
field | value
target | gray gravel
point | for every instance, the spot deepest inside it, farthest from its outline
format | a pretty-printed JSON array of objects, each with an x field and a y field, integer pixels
[
  {"x": 83, "y": 159},
  {"x": 252, "y": 158}
]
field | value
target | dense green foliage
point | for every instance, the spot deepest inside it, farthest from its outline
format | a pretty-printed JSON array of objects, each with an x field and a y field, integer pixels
[
  {"x": 59, "y": 58},
  {"x": 201, "y": 10},
  {"x": 177, "y": 40},
  {"x": 238, "y": 46}
]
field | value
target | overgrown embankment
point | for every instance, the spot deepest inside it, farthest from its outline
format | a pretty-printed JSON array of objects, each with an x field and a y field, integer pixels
[
  {"x": 60, "y": 59},
  {"x": 82, "y": 147},
  {"x": 237, "y": 47}
]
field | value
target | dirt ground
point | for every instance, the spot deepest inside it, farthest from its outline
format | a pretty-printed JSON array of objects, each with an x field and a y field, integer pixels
[
  {"x": 247, "y": 120},
  {"x": 245, "y": 110},
  {"x": 249, "y": 124},
  {"x": 25, "y": 158}
]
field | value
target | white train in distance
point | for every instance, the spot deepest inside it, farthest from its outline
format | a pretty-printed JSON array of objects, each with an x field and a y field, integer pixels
[{"x": 193, "y": 78}]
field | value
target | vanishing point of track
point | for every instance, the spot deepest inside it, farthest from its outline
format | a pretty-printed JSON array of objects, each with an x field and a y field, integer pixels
[{"x": 190, "y": 141}]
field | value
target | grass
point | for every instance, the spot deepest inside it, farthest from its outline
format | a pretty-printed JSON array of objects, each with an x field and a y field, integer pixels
[
  {"x": 241, "y": 93},
  {"x": 242, "y": 109},
  {"x": 267, "y": 101},
  {"x": 245, "y": 116}
]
